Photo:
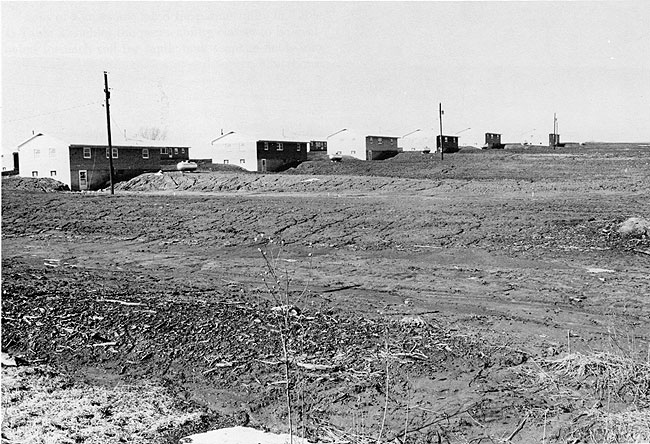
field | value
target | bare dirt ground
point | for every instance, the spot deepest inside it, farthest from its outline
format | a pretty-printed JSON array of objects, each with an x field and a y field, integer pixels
[{"x": 430, "y": 297}]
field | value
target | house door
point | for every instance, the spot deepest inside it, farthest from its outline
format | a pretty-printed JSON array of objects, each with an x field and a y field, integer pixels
[
  {"x": 263, "y": 162},
  {"x": 83, "y": 179}
]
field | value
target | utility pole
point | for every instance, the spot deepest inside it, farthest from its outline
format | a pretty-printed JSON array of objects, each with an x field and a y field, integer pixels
[
  {"x": 108, "y": 125},
  {"x": 442, "y": 149}
]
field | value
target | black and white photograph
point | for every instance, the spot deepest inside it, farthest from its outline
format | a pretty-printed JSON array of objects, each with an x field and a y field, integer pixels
[{"x": 325, "y": 222}]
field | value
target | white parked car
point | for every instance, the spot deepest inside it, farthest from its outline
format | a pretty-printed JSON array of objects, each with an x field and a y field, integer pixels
[{"x": 186, "y": 165}]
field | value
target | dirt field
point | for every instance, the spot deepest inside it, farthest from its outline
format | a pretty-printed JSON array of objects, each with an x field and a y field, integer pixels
[{"x": 437, "y": 299}]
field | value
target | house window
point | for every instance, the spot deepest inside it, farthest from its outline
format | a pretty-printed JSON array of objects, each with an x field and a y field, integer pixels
[
  {"x": 175, "y": 150},
  {"x": 445, "y": 138},
  {"x": 392, "y": 141},
  {"x": 87, "y": 152},
  {"x": 183, "y": 150},
  {"x": 297, "y": 147},
  {"x": 280, "y": 147},
  {"x": 52, "y": 152},
  {"x": 34, "y": 173},
  {"x": 115, "y": 153},
  {"x": 37, "y": 154},
  {"x": 266, "y": 146},
  {"x": 226, "y": 161},
  {"x": 242, "y": 160},
  {"x": 53, "y": 173},
  {"x": 145, "y": 153},
  {"x": 164, "y": 150},
  {"x": 379, "y": 140}
]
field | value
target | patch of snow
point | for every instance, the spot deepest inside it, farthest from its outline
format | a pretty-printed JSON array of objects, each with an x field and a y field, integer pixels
[
  {"x": 599, "y": 270},
  {"x": 635, "y": 226},
  {"x": 240, "y": 435}
]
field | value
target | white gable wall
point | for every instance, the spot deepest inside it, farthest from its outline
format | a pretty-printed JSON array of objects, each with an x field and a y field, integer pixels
[
  {"x": 8, "y": 161},
  {"x": 241, "y": 154},
  {"x": 47, "y": 157},
  {"x": 353, "y": 145},
  {"x": 417, "y": 142}
]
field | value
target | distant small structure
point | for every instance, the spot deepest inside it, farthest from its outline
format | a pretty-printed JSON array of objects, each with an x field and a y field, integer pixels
[
  {"x": 449, "y": 144},
  {"x": 554, "y": 141},
  {"x": 554, "y": 137},
  {"x": 493, "y": 141}
]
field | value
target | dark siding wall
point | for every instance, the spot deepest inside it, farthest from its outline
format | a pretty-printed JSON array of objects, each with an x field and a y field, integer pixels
[
  {"x": 493, "y": 140},
  {"x": 376, "y": 150},
  {"x": 317, "y": 145},
  {"x": 450, "y": 144},
  {"x": 387, "y": 143},
  {"x": 128, "y": 164},
  {"x": 172, "y": 156},
  {"x": 277, "y": 159}
]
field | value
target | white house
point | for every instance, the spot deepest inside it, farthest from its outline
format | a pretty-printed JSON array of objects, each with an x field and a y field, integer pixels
[
  {"x": 419, "y": 141},
  {"x": 86, "y": 166},
  {"x": 231, "y": 149},
  {"x": 254, "y": 153},
  {"x": 362, "y": 145},
  {"x": 45, "y": 156}
]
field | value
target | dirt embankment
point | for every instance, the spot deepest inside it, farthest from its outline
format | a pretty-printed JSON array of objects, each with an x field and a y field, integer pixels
[
  {"x": 362, "y": 185},
  {"x": 601, "y": 169},
  {"x": 44, "y": 185}
]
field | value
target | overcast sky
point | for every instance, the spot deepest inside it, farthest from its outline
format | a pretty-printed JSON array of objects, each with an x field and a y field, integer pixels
[{"x": 309, "y": 69}]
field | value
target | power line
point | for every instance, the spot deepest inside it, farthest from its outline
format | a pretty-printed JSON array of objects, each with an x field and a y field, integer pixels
[
  {"x": 57, "y": 68},
  {"x": 44, "y": 85},
  {"x": 53, "y": 112}
]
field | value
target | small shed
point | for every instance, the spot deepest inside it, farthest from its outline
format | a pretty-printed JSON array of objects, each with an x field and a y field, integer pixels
[
  {"x": 554, "y": 141},
  {"x": 493, "y": 141}
]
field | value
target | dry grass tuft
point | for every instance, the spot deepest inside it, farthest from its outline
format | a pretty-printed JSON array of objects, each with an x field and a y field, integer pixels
[
  {"x": 624, "y": 427},
  {"x": 335, "y": 435},
  {"x": 620, "y": 385},
  {"x": 611, "y": 375},
  {"x": 40, "y": 406}
]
